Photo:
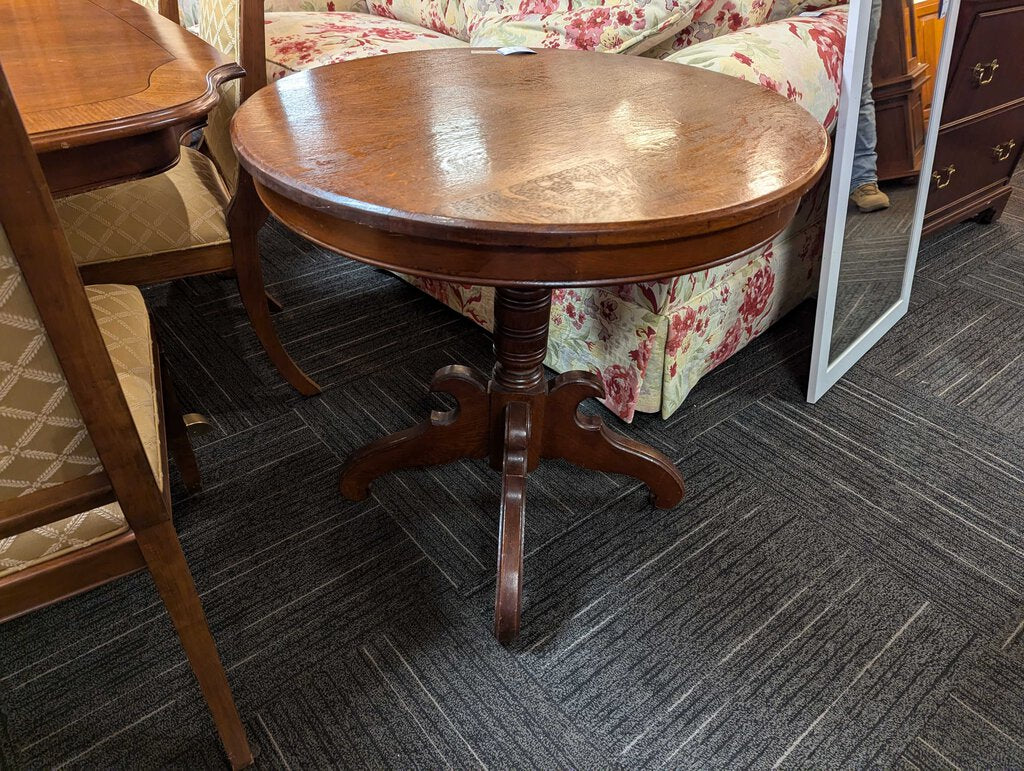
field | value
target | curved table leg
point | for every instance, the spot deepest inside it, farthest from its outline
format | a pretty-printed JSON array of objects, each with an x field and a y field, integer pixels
[
  {"x": 446, "y": 437},
  {"x": 245, "y": 216},
  {"x": 517, "y": 420},
  {"x": 586, "y": 441},
  {"x": 508, "y": 596}
]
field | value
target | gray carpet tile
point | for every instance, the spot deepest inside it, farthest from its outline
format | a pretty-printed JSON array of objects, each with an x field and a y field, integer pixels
[
  {"x": 966, "y": 349},
  {"x": 979, "y": 725},
  {"x": 841, "y": 588},
  {"x": 938, "y": 534},
  {"x": 712, "y": 650},
  {"x": 429, "y": 696}
]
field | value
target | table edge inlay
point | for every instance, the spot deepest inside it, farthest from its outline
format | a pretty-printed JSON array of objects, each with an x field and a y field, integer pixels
[{"x": 141, "y": 123}]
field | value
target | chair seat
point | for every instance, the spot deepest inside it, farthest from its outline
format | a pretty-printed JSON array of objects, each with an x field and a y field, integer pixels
[
  {"x": 124, "y": 323},
  {"x": 183, "y": 208},
  {"x": 300, "y": 41}
]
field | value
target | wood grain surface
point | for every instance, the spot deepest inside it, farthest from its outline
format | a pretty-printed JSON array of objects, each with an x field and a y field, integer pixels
[
  {"x": 106, "y": 88},
  {"x": 556, "y": 149},
  {"x": 525, "y": 172}
]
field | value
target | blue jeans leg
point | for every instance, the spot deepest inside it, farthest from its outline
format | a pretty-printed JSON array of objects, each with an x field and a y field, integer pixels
[{"x": 865, "y": 159}]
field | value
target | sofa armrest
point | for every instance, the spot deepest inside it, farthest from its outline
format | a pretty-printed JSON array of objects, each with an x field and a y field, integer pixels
[
  {"x": 280, "y": 6},
  {"x": 800, "y": 58},
  {"x": 189, "y": 9}
]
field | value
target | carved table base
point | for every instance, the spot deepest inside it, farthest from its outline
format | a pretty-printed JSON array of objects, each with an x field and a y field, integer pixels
[{"x": 515, "y": 419}]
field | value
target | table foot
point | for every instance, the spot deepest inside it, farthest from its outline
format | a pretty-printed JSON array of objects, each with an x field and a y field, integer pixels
[
  {"x": 445, "y": 437},
  {"x": 586, "y": 441},
  {"x": 515, "y": 419},
  {"x": 508, "y": 595}
]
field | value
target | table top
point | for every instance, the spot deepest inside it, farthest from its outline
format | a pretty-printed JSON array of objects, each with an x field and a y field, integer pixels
[
  {"x": 85, "y": 71},
  {"x": 510, "y": 157}
]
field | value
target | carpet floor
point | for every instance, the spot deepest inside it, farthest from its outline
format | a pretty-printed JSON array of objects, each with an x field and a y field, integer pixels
[{"x": 842, "y": 586}]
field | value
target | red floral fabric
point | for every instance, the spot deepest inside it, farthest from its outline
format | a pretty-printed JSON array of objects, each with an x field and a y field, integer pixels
[
  {"x": 800, "y": 58},
  {"x": 445, "y": 16},
  {"x": 714, "y": 18},
  {"x": 300, "y": 41},
  {"x": 784, "y": 9},
  {"x": 588, "y": 25}
]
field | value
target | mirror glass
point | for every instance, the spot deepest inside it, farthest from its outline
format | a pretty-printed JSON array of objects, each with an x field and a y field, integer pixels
[{"x": 887, "y": 159}]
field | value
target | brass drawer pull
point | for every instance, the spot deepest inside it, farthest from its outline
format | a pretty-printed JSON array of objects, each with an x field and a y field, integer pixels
[
  {"x": 1002, "y": 151},
  {"x": 983, "y": 73},
  {"x": 942, "y": 176}
]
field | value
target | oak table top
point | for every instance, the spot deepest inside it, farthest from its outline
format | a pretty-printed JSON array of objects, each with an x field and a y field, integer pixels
[
  {"x": 525, "y": 172},
  {"x": 106, "y": 88},
  {"x": 643, "y": 168}
]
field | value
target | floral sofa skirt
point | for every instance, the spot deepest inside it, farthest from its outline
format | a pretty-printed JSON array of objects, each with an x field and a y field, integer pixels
[{"x": 651, "y": 342}]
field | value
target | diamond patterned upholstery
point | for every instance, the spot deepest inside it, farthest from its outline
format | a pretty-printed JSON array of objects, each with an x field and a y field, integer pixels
[
  {"x": 180, "y": 209},
  {"x": 123, "y": 320},
  {"x": 219, "y": 24},
  {"x": 43, "y": 441}
]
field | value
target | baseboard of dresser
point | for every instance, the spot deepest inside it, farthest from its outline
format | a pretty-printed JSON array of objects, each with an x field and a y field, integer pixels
[{"x": 987, "y": 205}]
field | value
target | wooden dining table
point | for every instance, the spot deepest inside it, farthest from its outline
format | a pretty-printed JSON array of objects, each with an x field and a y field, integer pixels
[{"x": 106, "y": 88}]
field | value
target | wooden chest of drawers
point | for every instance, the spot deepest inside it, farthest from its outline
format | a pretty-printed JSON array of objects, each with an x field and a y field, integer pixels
[{"x": 981, "y": 138}]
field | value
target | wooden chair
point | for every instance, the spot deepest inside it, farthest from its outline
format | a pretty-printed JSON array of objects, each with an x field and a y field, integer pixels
[
  {"x": 84, "y": 492},
  {"x": 200, "y": 217}
]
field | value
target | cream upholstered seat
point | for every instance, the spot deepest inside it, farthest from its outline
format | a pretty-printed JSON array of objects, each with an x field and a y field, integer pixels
[
  {"x": 183, "y": 208},
  {"x": 43, "y": 441}
]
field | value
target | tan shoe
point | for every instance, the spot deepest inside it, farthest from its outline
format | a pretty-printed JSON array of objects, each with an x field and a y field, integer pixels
[{"x": 868, "y": 198}]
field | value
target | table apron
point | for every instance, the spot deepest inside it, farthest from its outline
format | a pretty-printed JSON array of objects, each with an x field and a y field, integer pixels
[
  {"x": 489, "y": 265},
  {"x": 85, "y": 167}
]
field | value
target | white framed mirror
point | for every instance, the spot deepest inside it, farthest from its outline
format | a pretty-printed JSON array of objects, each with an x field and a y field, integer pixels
[{"x": 873, "y": 233}]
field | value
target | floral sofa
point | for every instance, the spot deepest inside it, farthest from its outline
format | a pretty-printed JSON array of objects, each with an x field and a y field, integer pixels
[{"x": 650, "y": 342}]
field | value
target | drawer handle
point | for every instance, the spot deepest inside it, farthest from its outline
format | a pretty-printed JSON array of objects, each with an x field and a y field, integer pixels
[
  {"x": 943, "y": 176},
  {"x": 983, "y": 73},
  {"x": 1002, "y": 151}
]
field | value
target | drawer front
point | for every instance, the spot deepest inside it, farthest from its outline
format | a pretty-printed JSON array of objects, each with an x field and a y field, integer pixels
[
  {"x": 990, "y": 71},
  {"x": 975, "y": 155}
]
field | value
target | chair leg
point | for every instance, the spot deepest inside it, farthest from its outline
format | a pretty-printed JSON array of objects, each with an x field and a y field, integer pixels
[
  {"x": 244, "y": 217},
  {"x": 274, "y": 304},
  {"x": 162, "y": 551},
  {"x": 177, "y": 434}
]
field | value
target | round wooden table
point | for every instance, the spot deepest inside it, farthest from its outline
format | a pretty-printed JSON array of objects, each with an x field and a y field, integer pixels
[{"x": 526, "y": 172}]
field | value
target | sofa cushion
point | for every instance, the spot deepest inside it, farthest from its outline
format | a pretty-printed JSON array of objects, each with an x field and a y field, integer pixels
[
  {"x": 301, "y": 41},
  {"x": 783, "y": 9},
  {"x": 711, "y": 19},
  {"x": 595, "y": 25},
  {"x": 189, "y": 9},
  {"x": 445, "y": 16},
  {"x": 313, "y": 6},
  {"x": 800, "y": 58}
]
